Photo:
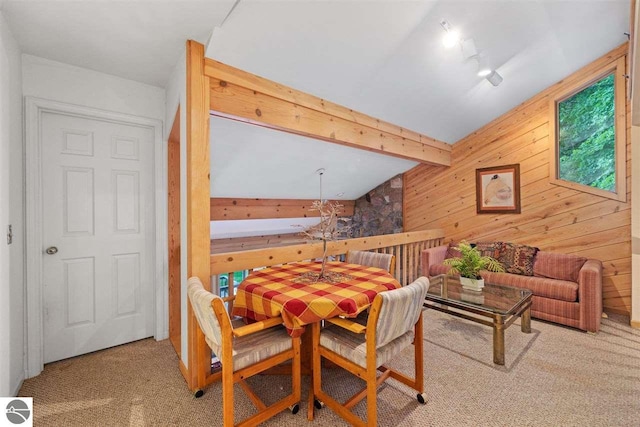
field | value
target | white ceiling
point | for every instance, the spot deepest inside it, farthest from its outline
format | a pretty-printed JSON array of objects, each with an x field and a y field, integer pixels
[
  {"x": 139, "y": 40},
  {"x": 246, "y": 152},
  {"x": 380, "y": 57},
  {"x": 386, "y": 59}
]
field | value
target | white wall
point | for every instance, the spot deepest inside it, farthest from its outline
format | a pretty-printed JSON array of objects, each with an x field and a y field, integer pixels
[
  {"x": 635, "y": 227},
  {"x": 11, "y": 212},
  {"x": 635, "y": 173},
  {"x": 56, "y": 81}
]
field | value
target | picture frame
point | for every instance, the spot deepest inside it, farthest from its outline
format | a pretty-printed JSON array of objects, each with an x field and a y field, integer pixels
[{"x": 498, "y": 189}]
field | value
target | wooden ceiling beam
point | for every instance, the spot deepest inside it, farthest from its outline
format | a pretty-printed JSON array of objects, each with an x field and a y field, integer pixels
[
  {"x": 242, "y": 96},
  {"x": 233, "y": 208}
]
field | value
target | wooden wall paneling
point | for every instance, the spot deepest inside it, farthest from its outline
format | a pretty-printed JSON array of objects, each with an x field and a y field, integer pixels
[
  {"x": 236, "y": 209},
  {"x": 520, "y": 149},
  {"x": 173, "y": 233},
  {"x": 606, "y": 251},
  {"x": 443, "y": 209},
  {"x": 198, "y": 189},
  {"x": 553, "y": 218},
  {"x": 617, "y": 265}
]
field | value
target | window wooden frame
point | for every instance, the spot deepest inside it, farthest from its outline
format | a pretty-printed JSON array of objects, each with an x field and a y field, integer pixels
[{"x": 617, "y": 68}]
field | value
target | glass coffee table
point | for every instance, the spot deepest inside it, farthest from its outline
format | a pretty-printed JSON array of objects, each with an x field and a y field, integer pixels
[{"x": 500, "y": 304}]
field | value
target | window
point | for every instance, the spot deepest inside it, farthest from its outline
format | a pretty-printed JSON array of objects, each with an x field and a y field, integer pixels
[
  {"x": 223, "y": 282},
  {"x": 588, "y": 130}
]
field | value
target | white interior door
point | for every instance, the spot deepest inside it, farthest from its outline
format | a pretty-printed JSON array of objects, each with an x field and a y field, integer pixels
[{"x": 98, "y": 234}]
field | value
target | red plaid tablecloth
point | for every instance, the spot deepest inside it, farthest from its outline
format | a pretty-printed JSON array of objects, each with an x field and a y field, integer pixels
[{"x": 275, "y": 291}]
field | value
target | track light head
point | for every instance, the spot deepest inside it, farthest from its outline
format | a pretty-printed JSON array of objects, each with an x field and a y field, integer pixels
[{"x": 494, "y": 78}]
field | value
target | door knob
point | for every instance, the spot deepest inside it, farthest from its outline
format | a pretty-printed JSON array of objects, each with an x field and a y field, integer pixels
[{"x": 52, "y": 250}]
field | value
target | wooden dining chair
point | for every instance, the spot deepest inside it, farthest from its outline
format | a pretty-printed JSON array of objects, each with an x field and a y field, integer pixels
[
  {"x": 245, "y": 351},
  {"x": 372, "y": 259},
  {"x": 395, "y": 321}
]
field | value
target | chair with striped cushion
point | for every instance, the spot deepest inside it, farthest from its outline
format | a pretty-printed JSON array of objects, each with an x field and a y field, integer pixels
[
  {"x": 245, "y": 351},
  {"x": 372, "y": 259},
  {"x": 394, "y": 323}
]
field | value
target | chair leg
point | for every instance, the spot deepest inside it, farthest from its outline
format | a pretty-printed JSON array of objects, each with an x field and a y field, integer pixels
[
  {"x": 296, "y": 374},
  {"x": 316, "y": 370},
  {"x": 418, "y": 351},
  {"x": 372, "y": 396},
  {"x": 227, "y": 396}
]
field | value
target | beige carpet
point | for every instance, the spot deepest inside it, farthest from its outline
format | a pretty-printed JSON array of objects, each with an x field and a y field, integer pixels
[{"x": 554, "y": 376}]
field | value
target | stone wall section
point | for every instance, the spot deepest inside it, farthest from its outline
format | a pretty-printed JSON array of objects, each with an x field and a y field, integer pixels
[{"x": 379, "y": 211}]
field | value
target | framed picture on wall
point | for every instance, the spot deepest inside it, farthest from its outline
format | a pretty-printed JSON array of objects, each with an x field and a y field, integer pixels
[{"x": 498, "y": 189}]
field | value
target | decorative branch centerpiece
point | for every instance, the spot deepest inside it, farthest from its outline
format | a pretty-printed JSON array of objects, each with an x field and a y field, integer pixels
[{"x": 326, "y": 230}]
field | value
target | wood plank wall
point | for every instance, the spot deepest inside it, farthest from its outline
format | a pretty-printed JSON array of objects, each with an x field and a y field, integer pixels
[
  {"x": 236, "y": 208},
  {"x": 173, "y": 233},
  {"x": 553, "y": 218},
  {"x": 237, "y": 244}
]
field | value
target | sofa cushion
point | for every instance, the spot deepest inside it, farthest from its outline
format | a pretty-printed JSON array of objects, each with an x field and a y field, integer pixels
[
  {"x": 436, "y": 269},
  {"x": 517, "y": 259},
  {"x": 452, "y": 252},
  {"x": 541, "y": 286},
  {"x": 558, "y": 266},
  {"x": 491, "y": 249}
]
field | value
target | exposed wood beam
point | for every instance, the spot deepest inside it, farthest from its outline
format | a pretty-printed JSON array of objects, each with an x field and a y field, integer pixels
[
  {"x": 173, "y": 233},
  {"x": 229, "y": 208},
  {"x": 242, "y": 96},
  {"x": 198, "y": 188}
]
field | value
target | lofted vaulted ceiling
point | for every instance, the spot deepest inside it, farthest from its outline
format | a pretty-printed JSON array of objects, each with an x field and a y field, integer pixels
[{"x": 383, "y": 58}]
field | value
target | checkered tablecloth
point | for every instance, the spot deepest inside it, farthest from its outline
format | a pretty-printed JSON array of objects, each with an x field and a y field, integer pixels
[{"x": 276, "y": 291}]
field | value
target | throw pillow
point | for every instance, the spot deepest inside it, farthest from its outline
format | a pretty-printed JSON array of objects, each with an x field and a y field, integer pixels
[
  {"x": 452, "y": 252},
  {"x": 558, "y": 266},
  {"x": 491, "y": 249},
  {"x": 517, "y": 259}
]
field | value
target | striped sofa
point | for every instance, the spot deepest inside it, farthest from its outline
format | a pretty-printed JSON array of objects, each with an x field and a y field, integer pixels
[{"x": 567, "y": 289}]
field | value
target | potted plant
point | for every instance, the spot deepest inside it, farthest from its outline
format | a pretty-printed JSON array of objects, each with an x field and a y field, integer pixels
[{"x": 469, "y": 264}]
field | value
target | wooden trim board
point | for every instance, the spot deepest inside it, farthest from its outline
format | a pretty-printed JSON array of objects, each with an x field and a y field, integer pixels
[{"x": 235, "y": 209}]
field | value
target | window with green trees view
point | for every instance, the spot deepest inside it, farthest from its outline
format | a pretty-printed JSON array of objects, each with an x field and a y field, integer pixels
[
  {"x": 587, "y": 130},
  {"x": 586, "y": 136}
]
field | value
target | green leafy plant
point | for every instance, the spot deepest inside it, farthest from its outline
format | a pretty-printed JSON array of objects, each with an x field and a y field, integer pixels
[{"x": 471, "y": 262}]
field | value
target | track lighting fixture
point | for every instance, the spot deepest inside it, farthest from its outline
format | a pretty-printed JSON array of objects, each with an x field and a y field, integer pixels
[
  {"x": 469, "y": 52},
  {"x": 451, "y": 36},
  {"x": 494, "y": 78}
]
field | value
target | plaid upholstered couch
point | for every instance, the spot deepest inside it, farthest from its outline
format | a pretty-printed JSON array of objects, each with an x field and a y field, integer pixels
[{"x": 567, "y": 289}]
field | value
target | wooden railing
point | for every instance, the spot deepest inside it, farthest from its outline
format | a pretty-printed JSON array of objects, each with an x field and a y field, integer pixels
[{"x": 405, "y": 246}]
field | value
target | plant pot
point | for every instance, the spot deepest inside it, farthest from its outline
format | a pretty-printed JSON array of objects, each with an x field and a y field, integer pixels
[
  {"x": 472, "y": 284},
  {"x": 474, "y": 297}
]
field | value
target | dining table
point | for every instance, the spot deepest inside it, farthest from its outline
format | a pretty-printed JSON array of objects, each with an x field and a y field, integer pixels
[{"x": 295, "y": 292}]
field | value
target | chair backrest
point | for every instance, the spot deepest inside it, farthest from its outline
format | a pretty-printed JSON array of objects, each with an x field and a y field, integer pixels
[
  {"x": 371, "y": 259},
  {"x": 400, "y": 310},
  {"x": 201, "y": 301}
]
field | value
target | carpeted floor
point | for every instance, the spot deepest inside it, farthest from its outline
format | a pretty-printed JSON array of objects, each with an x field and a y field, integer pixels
[{"x": 554, "y": 376}]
